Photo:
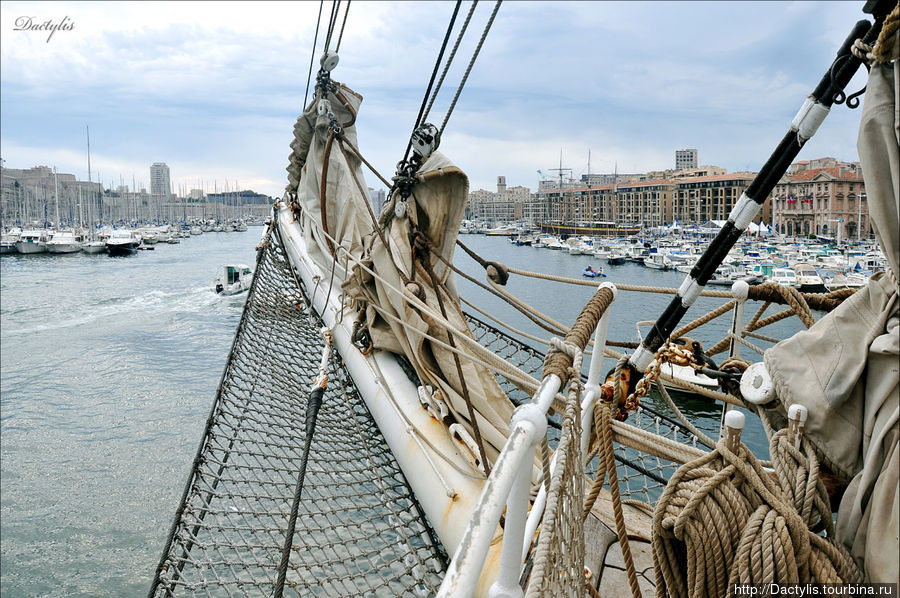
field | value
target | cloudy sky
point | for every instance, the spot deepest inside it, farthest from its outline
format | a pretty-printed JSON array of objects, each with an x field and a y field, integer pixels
[{"x": 213, "y": 89}]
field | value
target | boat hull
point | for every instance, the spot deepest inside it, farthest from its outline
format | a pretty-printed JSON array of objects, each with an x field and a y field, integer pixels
[
  {"x": 26, "y": 247},
  {"x": 418, "y": 441},
  {"x": 94, "y": 248},
  {"x": 121, "y": 248},
  {"x": 63, "y": 247}
]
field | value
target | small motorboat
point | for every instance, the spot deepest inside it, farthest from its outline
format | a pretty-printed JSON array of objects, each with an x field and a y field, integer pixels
[
  {"x": 591, "y": 273},
  {"x": 235, "y": 279},
  {"x": 122, "y": 242}
]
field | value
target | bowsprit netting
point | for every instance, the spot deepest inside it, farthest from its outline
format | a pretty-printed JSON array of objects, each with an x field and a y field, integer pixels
[{"x": 359, "y": 530}]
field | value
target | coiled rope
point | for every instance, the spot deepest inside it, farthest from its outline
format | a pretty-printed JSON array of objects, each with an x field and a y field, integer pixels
[{"x": 730, "y": 522}]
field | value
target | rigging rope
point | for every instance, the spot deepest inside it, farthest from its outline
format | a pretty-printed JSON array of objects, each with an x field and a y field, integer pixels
[
  {"x": 471, "y": 64},
  {"x": 312, "y": 53},
  {"x": 337, "y": 48},
  {"x": 437, "y": 88},
  {"x": 437, "y": 64},
  {"x": 331, "y": 22}
]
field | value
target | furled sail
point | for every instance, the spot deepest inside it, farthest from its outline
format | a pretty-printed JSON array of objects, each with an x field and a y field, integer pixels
[
  {"x": 403, "y": 287},
  {"x": 844, "y": 369}
]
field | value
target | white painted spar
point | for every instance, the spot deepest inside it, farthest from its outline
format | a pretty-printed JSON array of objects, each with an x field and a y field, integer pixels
[
  {"x": 447, "y": 496},
  {"x": 808, "y": 119}
]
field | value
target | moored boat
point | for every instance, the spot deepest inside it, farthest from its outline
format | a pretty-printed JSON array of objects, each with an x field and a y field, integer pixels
[
  {"x": 64, "y": 242},
  {"x": 808, "y": 279},
  {"x": 122, "y": 242},
  {"x": 8, "y": 241},
  {"x": 32, "y": 241}
]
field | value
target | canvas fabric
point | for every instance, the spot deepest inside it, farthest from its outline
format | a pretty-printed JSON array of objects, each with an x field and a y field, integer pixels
[
  {"x": 438, "y": 206},
  {"x": 845, "y": 368}
]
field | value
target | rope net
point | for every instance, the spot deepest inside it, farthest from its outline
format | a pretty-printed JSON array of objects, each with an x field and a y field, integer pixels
[
  {"x": 359, "y": 530},
  {"x": 642, "y": 476}
]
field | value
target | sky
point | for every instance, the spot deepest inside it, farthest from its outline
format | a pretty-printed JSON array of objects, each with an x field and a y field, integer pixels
[{"x": 213, "y": 88}]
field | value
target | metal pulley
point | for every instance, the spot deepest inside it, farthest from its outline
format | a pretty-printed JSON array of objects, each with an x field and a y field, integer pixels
[
  {"x": 425, "y": 139},
  {"x": 328, "y": 61}
]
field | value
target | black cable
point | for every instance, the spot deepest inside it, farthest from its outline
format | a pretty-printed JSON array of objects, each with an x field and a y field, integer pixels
[
  {"x": 462, "y": 83},
  {"x": 312, "y": 411},
  {"x": 437, "y": 64},
  {"x": 312, "y": 53},
  {"x": 459, "y": 37},
  {"x": 334, "y": 6},
  {"x": 337, "y": 48}
]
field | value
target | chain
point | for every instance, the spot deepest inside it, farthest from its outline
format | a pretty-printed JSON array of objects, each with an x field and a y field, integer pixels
[{"x": 669, "y": 353}]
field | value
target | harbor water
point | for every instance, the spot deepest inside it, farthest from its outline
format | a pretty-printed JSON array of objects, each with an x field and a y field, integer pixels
[{"x": 108, "y": 370}]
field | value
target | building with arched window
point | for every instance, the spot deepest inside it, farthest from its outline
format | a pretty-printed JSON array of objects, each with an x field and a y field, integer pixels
[{"x": 818, "y": 197}]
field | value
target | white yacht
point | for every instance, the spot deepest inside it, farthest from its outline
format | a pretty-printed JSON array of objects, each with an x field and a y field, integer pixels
[
  {"x": 658, "y": 261},
  {"x": 65, "y": 241},
  {"x": 95, "y": 246},
  {"x": 8, "y": 241},
  {"x": 784, "y": 276},
  {"x": 808, "y": 279},
  {"x": 32, "y": 241}
]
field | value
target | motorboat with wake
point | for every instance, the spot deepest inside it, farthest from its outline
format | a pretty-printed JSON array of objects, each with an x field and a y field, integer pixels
[
  {"x": 235, "y": 279},
  {"x": 369, "y": 437}
]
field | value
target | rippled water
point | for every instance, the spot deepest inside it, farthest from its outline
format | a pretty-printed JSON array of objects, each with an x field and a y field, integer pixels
[{"x": 108, "y": 370}]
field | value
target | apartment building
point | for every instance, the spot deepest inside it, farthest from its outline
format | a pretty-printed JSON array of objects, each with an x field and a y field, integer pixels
[{"x": 699, "y": 199}]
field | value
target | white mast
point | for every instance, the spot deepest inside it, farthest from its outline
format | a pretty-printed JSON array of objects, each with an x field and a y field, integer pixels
[{"x": 56, "y": 192}]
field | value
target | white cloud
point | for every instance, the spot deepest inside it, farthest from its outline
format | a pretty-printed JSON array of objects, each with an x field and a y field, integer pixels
[{"x": 213, "y": 89}]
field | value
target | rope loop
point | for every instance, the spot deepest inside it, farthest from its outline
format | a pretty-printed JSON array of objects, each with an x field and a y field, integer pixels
[{"x": 558, "y": 345}]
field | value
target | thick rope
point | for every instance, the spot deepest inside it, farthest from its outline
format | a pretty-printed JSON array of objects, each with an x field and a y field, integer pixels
[
  {"x": 685, "y": 421},
  {"x": 604, "y": 411},
  {"x": 735, "y": 524},
  {"x": 785, "y": 295},
  {"x": 887, "y": 47},
  {"x": 722, "y": 309},
  {"x": 585, "y": 324}
]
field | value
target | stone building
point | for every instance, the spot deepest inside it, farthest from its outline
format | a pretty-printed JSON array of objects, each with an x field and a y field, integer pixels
[{"x": 817, "y": 197}]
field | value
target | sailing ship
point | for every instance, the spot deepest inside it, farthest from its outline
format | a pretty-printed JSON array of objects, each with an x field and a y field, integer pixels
[{"x": 369, "y": 437}]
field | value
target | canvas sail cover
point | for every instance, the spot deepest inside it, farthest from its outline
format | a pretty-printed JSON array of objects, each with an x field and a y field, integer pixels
[
  {"x": 845, "y": 368},
  {"x": 437, "y": 207}
]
